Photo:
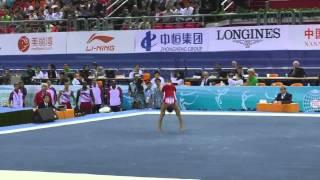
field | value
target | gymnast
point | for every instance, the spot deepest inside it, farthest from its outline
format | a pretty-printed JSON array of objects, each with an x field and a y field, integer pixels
[{"x": 169, "y": 104}]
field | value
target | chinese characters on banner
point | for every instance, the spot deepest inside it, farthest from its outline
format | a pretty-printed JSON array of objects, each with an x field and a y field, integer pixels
[{"x": 186, "y": 40}]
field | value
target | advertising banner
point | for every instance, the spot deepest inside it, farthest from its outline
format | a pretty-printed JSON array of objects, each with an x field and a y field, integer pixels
[
  {"x": 33, "y": 44},
  {"x": 305, "y": 37},
  {"x": 173, "y": 40},
  {"x": 100, "y": 42},
  {"x": 250, "y": 38}
]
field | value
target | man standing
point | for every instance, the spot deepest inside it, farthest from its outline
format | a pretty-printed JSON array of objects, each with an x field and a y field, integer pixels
[
  {"x": 114, "y": 97},
  {"x": 16, "y": 97},
  {"x": 24, "y": 92},
  {"x": 39, "y": 97},
  {"x": 205, "y": 79},
  {"x": 157, "y": 76},
  {"x": 65, "y": 95},
  {"x": 85, "y": 96},
  {"x": 283, "y": 97},
  {"x": 52, "y": 92}
]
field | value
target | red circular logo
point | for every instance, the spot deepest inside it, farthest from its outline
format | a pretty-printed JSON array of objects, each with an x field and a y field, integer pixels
[{"x": 23, "y": 44}]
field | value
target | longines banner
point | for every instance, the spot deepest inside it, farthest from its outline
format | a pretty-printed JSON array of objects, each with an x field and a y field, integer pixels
[{"x": 248, "y": 38}]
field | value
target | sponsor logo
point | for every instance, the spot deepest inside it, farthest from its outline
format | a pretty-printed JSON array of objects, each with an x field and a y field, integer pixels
[
  {"x": 23, "y": 44},
  {"x": 36, "y": 43},
  {"x": 312, "y": 37},
  {"x": 146, "y": 42},
  {"x": 173, "y": 42},
  {"x": 248, "y": 37},
  {"x": 315, "y": 103},
  {"x": 99, "y": 43}
]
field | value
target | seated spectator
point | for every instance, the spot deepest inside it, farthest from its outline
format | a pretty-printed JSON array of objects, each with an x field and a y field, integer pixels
[
  {"x": 77, "y": 79},
  {"x": 296, "y": 71},
  {"x": 205, "y": 79},
  {"x": 136, "y": 70},
  {"x": 62, "y": 79},
  {"x": 283, "y": 97},
  {"x": 39, "y": 97},
  {"x": 188, "y": 11},
  {"x": 100, "y": 71},
  {"x": 239, "y": 72},
  {"x": 39, "y": 74},
  {"x": 16, "y": 97},
  {"x": 52, "y": 73},
  {"x": 85, "y": 72},
  {"x": 46, "y": 103},
  {"x": 66, "y": 68},
  {"x": 218, "y": 72},
  {"x": 114, "y": 97},
  {"x": 136, "y": 91},
  {"x": 6, "y": 77},
  {"x": 252, "y": 78},
  {"x": 156, "y": 75},
  {"x": 177, "y": 79},
  {"x": 235, "y": 81},
  {"x": 234, "y": 67},
  {"x": 28, "y": 74}
]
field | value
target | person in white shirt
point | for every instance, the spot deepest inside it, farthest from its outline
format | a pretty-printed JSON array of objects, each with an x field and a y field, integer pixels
[
  {"x": 235, "y": 81},
  {"x": 157, "y": 76},
  {"x": 76, "y": 79},
  {"x": 38, "y": 73},
  {"x": 97, "y": 94},
  {"x": 188, "y": 11},
  {"x": 177, "y": 79},
  {"x": 136, "y": 70},
  {"x": 114, "y": 97},
  {"x": 16, "y": 97}
]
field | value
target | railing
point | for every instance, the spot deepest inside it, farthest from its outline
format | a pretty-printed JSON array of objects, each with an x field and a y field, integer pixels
[{"x": 119, "y": 23}]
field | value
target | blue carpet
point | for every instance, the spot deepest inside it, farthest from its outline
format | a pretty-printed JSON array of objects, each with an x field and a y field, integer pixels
[{"x": 212, "y": 147}]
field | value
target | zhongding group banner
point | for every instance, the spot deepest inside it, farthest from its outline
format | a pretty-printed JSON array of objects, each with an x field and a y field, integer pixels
[
  {"x": 216, "y": 39},
  {"x": 173, "y": 40}
]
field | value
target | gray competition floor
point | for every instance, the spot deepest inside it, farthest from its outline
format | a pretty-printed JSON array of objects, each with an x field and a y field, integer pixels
[{"x": 212, "y": 147}]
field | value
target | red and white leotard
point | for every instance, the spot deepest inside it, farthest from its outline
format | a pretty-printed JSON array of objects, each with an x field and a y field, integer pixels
[{"x": 169, "y": 94}]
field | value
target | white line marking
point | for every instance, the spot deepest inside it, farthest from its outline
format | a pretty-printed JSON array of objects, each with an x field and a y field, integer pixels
[
  {"x": 66, "y": 176},
  {"x": 251, "y": 114}
]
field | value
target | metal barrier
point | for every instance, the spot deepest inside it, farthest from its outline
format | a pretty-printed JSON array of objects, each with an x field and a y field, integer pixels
[{"x": 148, "y": 22}]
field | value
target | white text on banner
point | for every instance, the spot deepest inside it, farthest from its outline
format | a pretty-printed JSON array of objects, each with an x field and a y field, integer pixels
[
  {"x": 173, "y": 40},
  {"x": 100, "y": 42}
]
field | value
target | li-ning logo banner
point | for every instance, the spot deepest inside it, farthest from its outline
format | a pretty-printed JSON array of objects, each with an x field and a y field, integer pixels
[
  {"x": 248, "y": 37},
  {"x": 101, "y": 45},
  {"x": 186, "y": 40}
]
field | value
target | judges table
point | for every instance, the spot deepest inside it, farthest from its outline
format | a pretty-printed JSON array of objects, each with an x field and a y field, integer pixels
[{"x": 277, "y": 107}]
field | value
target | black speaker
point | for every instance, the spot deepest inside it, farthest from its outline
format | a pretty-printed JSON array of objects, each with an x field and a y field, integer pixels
[{"x": 45, "y": 115}]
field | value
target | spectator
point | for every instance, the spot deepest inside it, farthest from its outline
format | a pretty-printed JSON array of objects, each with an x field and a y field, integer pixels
[
  {"x": 148, "y": 95},
  {"x": 157, "y": 95},
  {"x": 39, "y": 74},
  {"x": 77, "y": 80},
  {"x": 46, "y": 103},
  {"x": 39, "y": 97},
  {"x": 136, "y": 70},
  {"x": 252, "y": 78},
  {"x": 296, "y": 71},
  {"x": 114, "y": 97},
  {"x": 100, "y": 71},
  {"x": 86, "y": 98},
  {"x": 98, "y": 96},
  {"x": 85, "y": 72},
  {"x": 157, "y": 76},
  {"x": 65, "y": 95},
  {"x": 283, "y": 97},
  {"x": 177, "y": 78},
  {"x": 235, "y": 81},
  {"x": 62, "y": 79},
  {"x": 16, "y": 97},
  {"x": 24, "y": 92},
  {"x": 27, "y": 75},
  {"x": 53, "y": 92},
  {"x": 219, "y": 72},
  {"x": 234, "y": 67},
  {"x": 136, "y": 92},
  {"x": 66, "y": 68},
  {"x": 52, "y": 73},
  {"x": 188, "y": 11},
  {"x": 205, "y": 79},
  {"x": 6, "y": 77}
]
